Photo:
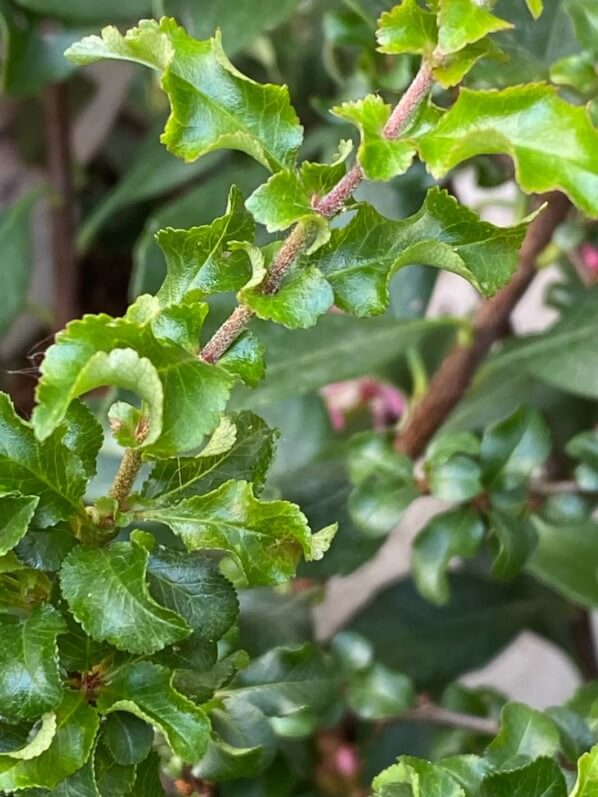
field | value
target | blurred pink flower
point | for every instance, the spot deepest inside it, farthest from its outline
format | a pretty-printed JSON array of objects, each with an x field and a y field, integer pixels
[
  {"x": 346, "y": 761},
  {"x": 589, "y": 253},
  {"x": 385, "y": 402}
]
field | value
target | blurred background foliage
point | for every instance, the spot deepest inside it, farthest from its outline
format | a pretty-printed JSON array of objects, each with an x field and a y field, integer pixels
[{"x": 85, "y": 184}]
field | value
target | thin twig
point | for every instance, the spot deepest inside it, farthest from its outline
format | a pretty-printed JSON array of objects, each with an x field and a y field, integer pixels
[
  {"x": 125, "y": 476},
  {"x": 300, "y": 237},
  {"x": 438, "y": 715},
  {"x": 458, "y": 369},
  {"x": 57, "y": 129}
]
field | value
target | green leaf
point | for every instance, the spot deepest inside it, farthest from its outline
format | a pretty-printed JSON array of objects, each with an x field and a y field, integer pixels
[
  {"x": 147, "y": 783},
  {"x": 587, "y": 774},
  {"x": 213, "y": 105},
  {"x": 536, "y": 7},
  {"x": 192, "y": 585},
  {"x": 23, "y": 742},
  {"x": 412, "y": 777},
  {"x": 44, "y": 549},
  {"x": 84, "y": 435},
  {"x": 128, "y": 738},
  {"x": 525, "y": 734},
  {"x": 407, "y": 29},
  {"x": 455, "y": 479},
  {"x": 240, "y": 22},
  {"x": 16, "y": 512},
  {"x": 302, "y": 298},
  {"x": 131, "y": 352},
  {"x": 30, "y": 681},
  {"x": 585, "y": 21},
  {"x": 145, "y": 690},
  {"x": 565, "y": 558},
  {"x": 362, "y": 257},
  {"x": 285, "y": 680},
  {"x": 15, "y": 241},
  {"x": 287, "y": 197},
  {"x": 452, "y": 68},
  {"x": 198, "y": 260},
  {"x": 266, "y": 538},
  {"x": 458, "y": 532},
  {"x": 383, "y": 158},
  {"x": 462, "y": 22},
  {"x": 542, "y": 778},
  {"x": 379, "y": 693},
  {"x": 246, "y": 458},
  {"x": 513, "y": 448},
  {"x": 112, "y": 779},
  {"x": 77, "y": 724},
  {"x": 584, "y": 447},
  {"x": 577, "y": 71},
  {"x": 49, "y": 471},
  {"x": 551, "y": 142},
  {"x": 108, "y": 595},
  {"x": 516, "y": 538},
  {"x": 245, "y": 359}
]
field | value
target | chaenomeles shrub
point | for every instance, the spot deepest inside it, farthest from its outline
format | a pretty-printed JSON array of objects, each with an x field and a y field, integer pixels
[{"x": 119, "y": 650}]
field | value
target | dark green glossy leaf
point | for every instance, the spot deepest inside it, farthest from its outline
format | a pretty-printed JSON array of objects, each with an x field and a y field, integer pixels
[
  {"x": 145, "y": 690},
  {"x": 513, "y": 448},
  {"x": 30, "y": 681},
  {"x": 16, "y": 512},
  {"x": 128, "y": 738},
  {"x": 191, "y": 585},
  {"x": 108, "y": 595},
  {"x": 77, "y": 724},
  {"x": 516, "y": 538},
  {"x": 84, "y": 435}
]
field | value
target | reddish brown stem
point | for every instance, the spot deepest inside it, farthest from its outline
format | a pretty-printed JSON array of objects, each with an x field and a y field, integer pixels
[
  {"x": 62, "y": 209},
  {"x": 299, "y": 239},
  {"x": 456, "y": 372}
]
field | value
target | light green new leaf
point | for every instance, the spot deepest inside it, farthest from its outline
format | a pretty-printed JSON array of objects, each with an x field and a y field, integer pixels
[
  {"x": 541, "y": 778},
  {"x": 536, "y": 7},
  {"x": 463, "y": 22},
  {"x": 587, "y": 775},
  {"x": 198, "y": 261},
  {"x": 553, "y": 144},
  {"x": 15, "y": 242},
  {"x": 362, "y": 257},
  {"x": 458, "y": 532},
  {"x": 407, "y": 29},
  {"x": 246, "y": 458},
  {"x": 30, "y": 681},
  {"x": 414, "y": 777},
  {"x": 565, "y": 559},
  {"x": 382, "y": 158},
  {"x": 145, "y": 690},
  {"x": 107, "y": 593},
  {"x": 288, "y": 195},
  {"x": 303, "y": 297},
  {"x": 266, "y": 538},
  {"x": 77, "y": 724},
  {"x": 49, "y": 470},
  {"x": 133, "y": 352},
  {"x": 16, "y": 512},
  {"x": 213, "y": 105},
  {"x": 191, "y": 584},
  {"x": 525, "y": 734}
]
